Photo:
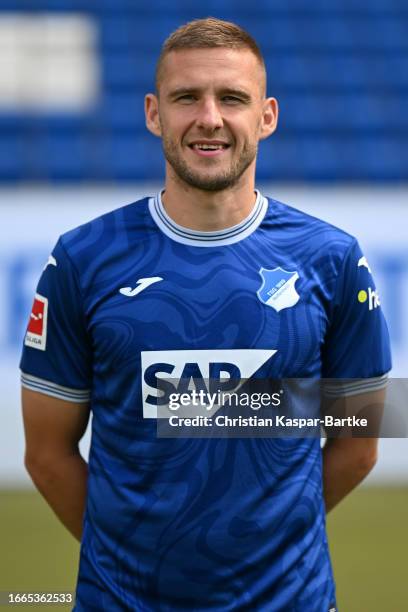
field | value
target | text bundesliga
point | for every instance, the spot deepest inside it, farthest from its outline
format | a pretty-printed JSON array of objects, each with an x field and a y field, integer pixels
[{"x": 276, "y": 421}]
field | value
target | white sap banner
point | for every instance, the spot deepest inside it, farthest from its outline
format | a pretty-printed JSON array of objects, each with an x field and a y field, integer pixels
[
  {"x": 245, "y": 361},
  {"x": 32, "y": 220}
]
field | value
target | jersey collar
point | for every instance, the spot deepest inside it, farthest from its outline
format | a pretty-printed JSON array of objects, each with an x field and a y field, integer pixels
[{"x": 230, "y": 235}]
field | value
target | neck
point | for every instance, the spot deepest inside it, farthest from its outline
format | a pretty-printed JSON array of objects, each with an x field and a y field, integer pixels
[{"x": 208, "y": 210}]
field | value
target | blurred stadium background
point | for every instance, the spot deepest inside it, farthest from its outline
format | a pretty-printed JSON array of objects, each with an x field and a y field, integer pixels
[{"x": 73, "y": 144}]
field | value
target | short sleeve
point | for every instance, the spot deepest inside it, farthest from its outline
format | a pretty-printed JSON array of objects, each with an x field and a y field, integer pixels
[
  {"x": 57, "y": 357},
  {"x": 357, "y": 342}
]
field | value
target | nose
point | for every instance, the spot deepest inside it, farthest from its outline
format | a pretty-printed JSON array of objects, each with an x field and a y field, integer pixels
[{"x": 209, "y": 116}]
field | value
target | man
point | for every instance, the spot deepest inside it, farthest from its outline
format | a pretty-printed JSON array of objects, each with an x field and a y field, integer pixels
[{"x": 206, "y": 277}]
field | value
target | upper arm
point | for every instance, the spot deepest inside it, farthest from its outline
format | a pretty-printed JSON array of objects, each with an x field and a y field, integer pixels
[
  {"x": 53, "y": 427},
  {"x": 356, "y": 356},
  {"x": 369, "y": 406},
  {"x": 56, "y": 363},
  {"x": 356, "y": 343}
]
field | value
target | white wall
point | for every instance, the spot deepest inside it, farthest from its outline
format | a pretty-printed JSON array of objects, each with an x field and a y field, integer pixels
[{"x": 32, "y": 219}]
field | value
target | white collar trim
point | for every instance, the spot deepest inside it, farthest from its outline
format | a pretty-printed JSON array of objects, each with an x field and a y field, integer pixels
[{"x": 223, "y": 237}]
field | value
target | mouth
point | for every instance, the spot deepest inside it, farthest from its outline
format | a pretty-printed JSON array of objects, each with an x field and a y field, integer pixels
[{"x": 211, "y": 148}]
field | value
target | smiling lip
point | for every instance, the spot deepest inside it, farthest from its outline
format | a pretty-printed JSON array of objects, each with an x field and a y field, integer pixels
[{"x": 209, "y": 148}]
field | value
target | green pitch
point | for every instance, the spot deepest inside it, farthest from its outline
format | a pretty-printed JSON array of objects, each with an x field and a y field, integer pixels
[{"x": 368, "y": 536}]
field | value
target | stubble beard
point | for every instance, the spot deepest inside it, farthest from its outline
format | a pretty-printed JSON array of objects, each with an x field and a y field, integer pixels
[{"x": 208, "y": 182}]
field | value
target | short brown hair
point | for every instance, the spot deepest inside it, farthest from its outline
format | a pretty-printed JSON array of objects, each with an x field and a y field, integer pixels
[{"x": 208, "y": 33}]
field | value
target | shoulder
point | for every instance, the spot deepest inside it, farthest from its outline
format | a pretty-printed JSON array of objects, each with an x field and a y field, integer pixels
[
  {"x": 96, "y": 249},
  {"x": 311, "y": 232},
  {"x": 103, "y": 230}
]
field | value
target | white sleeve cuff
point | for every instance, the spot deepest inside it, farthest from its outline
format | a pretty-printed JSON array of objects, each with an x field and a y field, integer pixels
[
  {"x": 347, "y": 387},
  {"x": 81, "y": 396}
]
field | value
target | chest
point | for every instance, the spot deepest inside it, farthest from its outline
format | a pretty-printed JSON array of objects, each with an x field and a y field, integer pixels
[{"x": 210, "y": 300}]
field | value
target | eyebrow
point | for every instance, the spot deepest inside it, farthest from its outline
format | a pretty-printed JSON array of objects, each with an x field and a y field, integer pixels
[{"x": 240, "y": 93}]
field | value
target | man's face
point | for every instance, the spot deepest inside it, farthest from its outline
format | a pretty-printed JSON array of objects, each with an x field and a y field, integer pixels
[{"x": 211, "y": 113}]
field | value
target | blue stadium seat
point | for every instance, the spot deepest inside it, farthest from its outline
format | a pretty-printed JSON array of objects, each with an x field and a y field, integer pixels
[
  {"x": 124, "y": 32},
  {"x": 328, "y": 159},
  {"x": 13, "y": 157},
  {"x": 338, "y": 112},
  {"x": 13, "y": 123},
  {"x": 131, "y": 69},
  {"x": 385, "y": 159},
  {"x": 64, "y": 157},
  {"x": 122, "y": 111},
  {"x": 339, "y": 70},
  {"x": 60, "y": 123},
  {"x": 278, "y": 159},
  {"x": 130, "y": 158}
]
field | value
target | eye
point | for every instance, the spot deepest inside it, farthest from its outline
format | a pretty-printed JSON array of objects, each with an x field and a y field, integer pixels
[
  {"x": 231, "y": 100},
  {"x": 185, "y": 98}
]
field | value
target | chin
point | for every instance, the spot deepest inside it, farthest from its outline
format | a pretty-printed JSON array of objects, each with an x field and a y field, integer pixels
[{"x": 211, "y": 183}]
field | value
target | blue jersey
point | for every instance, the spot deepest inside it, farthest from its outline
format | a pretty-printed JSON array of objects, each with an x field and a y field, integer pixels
[{"x": 201, "y": 524}]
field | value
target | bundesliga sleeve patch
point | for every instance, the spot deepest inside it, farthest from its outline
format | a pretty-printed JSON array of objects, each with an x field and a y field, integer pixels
[{"x": 36, "y": 335}]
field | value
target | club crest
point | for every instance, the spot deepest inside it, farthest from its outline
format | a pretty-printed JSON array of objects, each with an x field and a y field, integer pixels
[{"x": 278, "y": 288}]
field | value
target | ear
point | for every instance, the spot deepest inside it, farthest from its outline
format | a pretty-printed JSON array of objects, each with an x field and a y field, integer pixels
[
  {"x": 269, "y": 118},
  {"x": 152, "y": 114}
]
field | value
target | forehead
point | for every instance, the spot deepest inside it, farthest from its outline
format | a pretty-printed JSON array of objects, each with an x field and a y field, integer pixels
[{"x": 203, "y": 68}]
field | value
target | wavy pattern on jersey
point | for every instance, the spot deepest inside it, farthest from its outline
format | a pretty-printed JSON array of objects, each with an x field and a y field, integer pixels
[
  {"x": 227, "y": 519},
  {"x": 91, "y": 242},
  {"x": 207, "y": 524},
  {"x": 194, "y": 505}
]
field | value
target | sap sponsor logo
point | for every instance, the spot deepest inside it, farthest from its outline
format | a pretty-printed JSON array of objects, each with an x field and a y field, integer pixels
[
  {"x": 36, "y": 335},
  {"x": 363, "y": 262},
  {"x": 371, "y": 296},
  {"x": 278, "y": 288},
  {"x": 167, "y": 372}
]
